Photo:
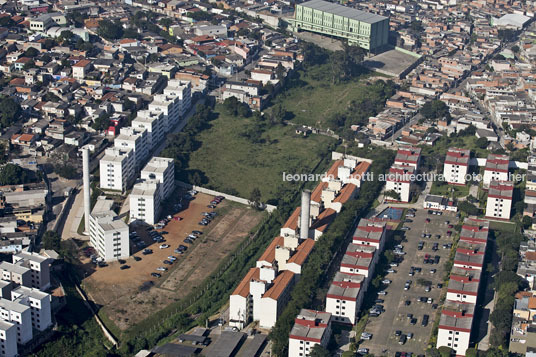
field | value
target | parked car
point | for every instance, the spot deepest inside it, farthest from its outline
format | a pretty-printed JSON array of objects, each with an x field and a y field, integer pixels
[
  {"x": 147, "y": 251},
  {"x": 172, "y": 258},
  {"x": 427, "y": 288},
  {"x": 391, "y": 270},
  {"x": 394, "y": 264},
  {"x": 413, "y": 321},
  {"x": 379, "y": 301},
  {"x": 136, "y": 258},
  {"x": 407, "y": 302},
  {"x": 363, "y": 350},
  {"x": 156, "y": 275},
  {"x": 398, "y": 333},
  {"x": 386, "y": 281},
  {"x": 188, "y": 240},
  {"x": 382, "y": 292},
  {"x": 123, "y": 267},
  {"x": 366, "y": 336},
  {"x": 167, "y": 262},
  {"x": 402, "y": 339},
  {"x": 164, "y": 246},
  {"x": 197, "y": 232},
  {"x": 425, "y": 320},
  {"x": 161, "y": 269}
]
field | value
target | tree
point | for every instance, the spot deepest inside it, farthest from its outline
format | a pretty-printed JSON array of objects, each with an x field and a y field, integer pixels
[
  {"x": 527, "y": 222},
  {"x": 28, "y": 65},
  {"x": 482, "y": 143},
  {"x": 11, "y": 174},
  {"x": 255, "y": 198},
  {"x": 435, "y": 109},
  {"x": 102, "y": 122},
  {"x": 393, "y": 194},
  {"x": 31, "y": 52},
  {"x": 445, "y": 351},
  {"x": 10, "y": 112},
  {"x": 468, "y": 208},
  {"x": 195, "y": 178},
  {"x": 280, "y": 71},
  {"x": 51, "y": 240},
  {"x": 166, "y": 22},
  {"x": 66, "y": 35},
  {"x": 319, "y": 351},
  {"x": 66, "y": 171},
  {"x": 278, "y": 114},
  {"x": 110, "y": 30},
  {"x": 515, "y": 49}
]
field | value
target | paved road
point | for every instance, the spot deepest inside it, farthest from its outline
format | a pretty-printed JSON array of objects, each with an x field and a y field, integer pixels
[{"x": 395, "y": 317}]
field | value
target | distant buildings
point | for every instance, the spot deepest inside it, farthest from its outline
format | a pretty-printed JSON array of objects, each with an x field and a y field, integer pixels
[
  {"x": 310, "y": 328},
  {"x": 107, "y": 232},
  {"x": 117, "y": 169},
  {"x": 439, "y": 203},
  {"x": 367, "y": 30}
]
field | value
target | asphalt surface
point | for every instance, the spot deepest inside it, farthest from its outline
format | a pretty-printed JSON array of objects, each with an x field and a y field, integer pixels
[{"x": 384, "y": 342}]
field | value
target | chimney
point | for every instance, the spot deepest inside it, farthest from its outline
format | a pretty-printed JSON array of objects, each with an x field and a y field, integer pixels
[
  {"x": 305, "y": 213},
  {"x": 85, "y": 169}
]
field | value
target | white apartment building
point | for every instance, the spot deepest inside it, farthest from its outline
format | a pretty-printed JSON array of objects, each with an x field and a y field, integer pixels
[
  {"x": 463, "y": 285},
  {"x": 400, "y": 180},
  {"x": 496, "y": 169},
  {"x": 153, "y": 123},
  {"x": 408, "y": 156},
  {"x": 20, "y": 315},
  {"x": 499, "y": 204},
  {"x": 310, "y": 328},
  {"x": 456, "y": 166},
  {"x": 169, "y": 107},
  {"x": 135, "y": 139},
  {"x": 39, "y": 303},
  {"x": 8, "y": 339},
  {"x": 345, "y": 296},
  {"x": 145, "y": 201},
  {"x": 39, "y": 267},
  {"x": 161, "y": 169},
  {"x": 116, "y": 169},
  {"x": 455, "y": 326},
  {"x": 181, "y": 90},
  {"x": 16, "y": 273},
  {"x": 108, "y": 233},
  {"x": 370, "y": 233}
]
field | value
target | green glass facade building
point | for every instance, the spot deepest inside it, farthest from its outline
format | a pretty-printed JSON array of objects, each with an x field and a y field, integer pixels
[{"x": 369, "y": 31}]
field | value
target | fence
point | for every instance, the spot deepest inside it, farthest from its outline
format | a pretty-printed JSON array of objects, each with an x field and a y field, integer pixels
[{"x": 269, "y": 208}]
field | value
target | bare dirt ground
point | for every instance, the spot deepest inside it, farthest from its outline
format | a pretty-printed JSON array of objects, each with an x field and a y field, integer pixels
[{"x": 128, "y": 296}]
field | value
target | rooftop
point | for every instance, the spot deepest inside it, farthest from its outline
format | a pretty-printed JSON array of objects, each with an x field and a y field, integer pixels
[
  {"x": 343, "y": 11},
  {"x": 457, "y": 156}
]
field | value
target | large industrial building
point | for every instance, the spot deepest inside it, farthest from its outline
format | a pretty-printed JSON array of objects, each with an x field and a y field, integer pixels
[{"x": 368, "y": 31}]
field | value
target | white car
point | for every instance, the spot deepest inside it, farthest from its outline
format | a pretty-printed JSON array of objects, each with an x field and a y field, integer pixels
[
  {"x": 391, "y": 270},
  {"x": 366, "y": 336},
  {"x": 393, "y": 265},
  {"x": 383, "y": 292},
  {"x": 172, "y": 258},
  {"x": 164, "y": 246},
  {"x": 386, "y": 281},
  {"x": 363, "y": 350},
  {"x": 161, "y": 269}
]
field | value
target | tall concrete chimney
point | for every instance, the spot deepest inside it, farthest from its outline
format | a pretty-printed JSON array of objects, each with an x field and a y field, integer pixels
[
  {"x": 85, "y": 169},
  {"x": 305, "y": 213}
]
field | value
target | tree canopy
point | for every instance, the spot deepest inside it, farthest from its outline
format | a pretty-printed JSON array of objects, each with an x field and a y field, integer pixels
[
  {"x": 110, "y": 30},
  {"x": 11, "y": 174},
  {"x": 435, "y": 109},
  {"x": 10, "y": 112}
]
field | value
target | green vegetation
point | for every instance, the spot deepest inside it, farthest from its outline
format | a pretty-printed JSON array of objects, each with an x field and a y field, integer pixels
[
  {"x": 78, "y": 333},
  {"x": 468, "y": 208},
  {"x": 313, "y": 271},
  {"x": 66, "y": 170},
  {"x": 506, "y": 284},
  {"x": 11, "y": 174},
  {"x": 435, "y": 109},
  {"x": 453, "y": 191},
  {"x": 313, "y": 98},
  {"x": 51, "y": 240},
  {"x": 235, "y": 154},
  {"x": 110, "y": 30},
  {"x": 10, "y": 112}
]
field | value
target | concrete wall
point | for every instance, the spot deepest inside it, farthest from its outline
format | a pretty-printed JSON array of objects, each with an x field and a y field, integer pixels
[{"x": 268, "y": 208}]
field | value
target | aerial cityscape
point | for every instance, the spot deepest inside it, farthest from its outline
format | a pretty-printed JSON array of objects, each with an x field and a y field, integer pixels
[{"x": 255, "y": 178}]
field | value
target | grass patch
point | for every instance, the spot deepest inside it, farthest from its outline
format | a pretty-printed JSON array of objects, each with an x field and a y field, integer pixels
[
  {"x": 509, "y": 227},
  {"x": 449, "y": 190},
  {"x": 316, "y": 100},
  {"x": 235, "y": 165}
]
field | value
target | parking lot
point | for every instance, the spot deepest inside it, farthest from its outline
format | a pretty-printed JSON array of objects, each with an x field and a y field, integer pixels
[
  {"x": 402, "y": 318},
  {"x": 131, "y": 294}
]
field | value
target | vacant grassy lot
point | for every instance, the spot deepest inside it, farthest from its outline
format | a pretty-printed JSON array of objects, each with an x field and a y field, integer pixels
[
  {"x": 447, "y": 190},
  {"x": 313, "y": 100},
  {"x": 234, "y": 164}
]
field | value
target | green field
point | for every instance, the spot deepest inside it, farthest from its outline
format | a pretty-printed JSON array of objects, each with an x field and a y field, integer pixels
[
  {"x": 449, "y": 190},
  {"x": 235, "y": 165},
  {"x": 313, "y": 100}
]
